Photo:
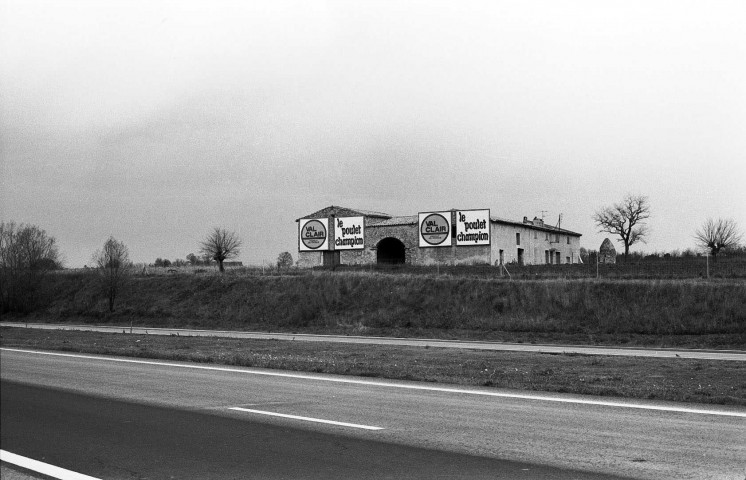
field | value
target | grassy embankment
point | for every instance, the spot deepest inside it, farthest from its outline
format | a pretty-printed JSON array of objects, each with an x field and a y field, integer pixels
[
  {"x": 689, "y": 313},
  {"x": 701, "y": 381}
]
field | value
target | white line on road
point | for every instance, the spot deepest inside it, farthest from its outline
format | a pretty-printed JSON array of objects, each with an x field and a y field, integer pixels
[
  {"x": 307, "y": 419},
  {"x": 43, "y": 468},
  {"x": 724, "y": 355},
  {"x": 487, "y": 393}
]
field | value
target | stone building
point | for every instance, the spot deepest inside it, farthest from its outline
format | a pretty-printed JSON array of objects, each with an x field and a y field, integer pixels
[
  {"x": 345, "y": 236},
  {"x": 607, "y": 252}
]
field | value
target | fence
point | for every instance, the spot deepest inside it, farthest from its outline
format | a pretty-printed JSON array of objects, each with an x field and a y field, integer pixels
[
  {"x": 661, "y": 268},
  {"x": 648, "y": 268},
  {"x": 694, "y": 267}
]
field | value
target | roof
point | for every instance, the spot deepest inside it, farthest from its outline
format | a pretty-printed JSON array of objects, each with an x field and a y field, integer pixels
[
  {"x": 394, "y": 221},
  {"x": 337, "y": 211},
  {"x": 541, "y": 227}
]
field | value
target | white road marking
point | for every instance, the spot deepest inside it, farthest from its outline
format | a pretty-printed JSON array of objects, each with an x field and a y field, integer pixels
[
  {"x": 718, "y": 355},
  {"x": 487, "y": 393},
  {"x": 43, "y": 468},
  {"x": 307, "y": 419}
]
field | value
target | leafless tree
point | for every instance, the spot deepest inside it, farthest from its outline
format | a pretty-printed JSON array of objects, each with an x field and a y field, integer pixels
[
  {"x": 717, "y": 235},
  {"x": 220, "y": 245},
  {"x": 26, "y": 254},
  {"x": 625, "y": 219},
  {"x": 114, "y": 266}
]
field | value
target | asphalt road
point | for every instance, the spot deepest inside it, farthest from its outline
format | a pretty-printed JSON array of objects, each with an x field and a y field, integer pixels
[
  {"x": 731, "y": 355},
  {"x": 124, "y": 418}
]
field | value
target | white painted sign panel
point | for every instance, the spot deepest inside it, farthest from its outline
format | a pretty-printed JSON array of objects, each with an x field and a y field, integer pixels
[
  {"x": 349, "y": 233},
  {"x": 313, "y": 234},
  {"x": 473, "y": 227},
  {"x": 435, "y": 229}
]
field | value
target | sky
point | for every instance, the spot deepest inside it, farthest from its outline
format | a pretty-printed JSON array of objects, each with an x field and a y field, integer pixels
[{"x": 155, "y": 121}]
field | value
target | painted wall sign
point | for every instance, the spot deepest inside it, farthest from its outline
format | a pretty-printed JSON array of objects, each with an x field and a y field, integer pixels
[
  {"x": 435, "y": 229},
  {"x": 473, "y": 227},
  {"x": 349, "y": 233},
  {"x": 313, "y": 234}
]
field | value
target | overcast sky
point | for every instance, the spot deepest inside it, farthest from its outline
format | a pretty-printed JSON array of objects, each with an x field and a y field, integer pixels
[{"x": 155, "y": 120}]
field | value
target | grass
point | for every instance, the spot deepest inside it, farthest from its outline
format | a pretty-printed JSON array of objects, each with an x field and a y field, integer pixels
[
  {"x": 688, "y": 313},
  {"x": 682, "y": 380}
]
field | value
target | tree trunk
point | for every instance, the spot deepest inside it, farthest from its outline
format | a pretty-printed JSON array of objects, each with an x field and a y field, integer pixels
[{"x": 220, "y": 264}]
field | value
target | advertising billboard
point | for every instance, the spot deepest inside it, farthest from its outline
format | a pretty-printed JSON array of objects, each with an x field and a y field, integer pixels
[
  {"x": 313, "y": 234},
  {"x": 435, "y": 229},
  {"x": 349, "y": 233},
  {"x": 473, "y": 227}
]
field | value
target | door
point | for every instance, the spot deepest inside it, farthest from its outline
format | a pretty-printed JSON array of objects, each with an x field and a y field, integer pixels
[{"x": 331, "y": 259}]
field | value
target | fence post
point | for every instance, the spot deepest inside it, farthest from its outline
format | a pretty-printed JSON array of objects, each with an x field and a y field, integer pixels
[{"x": 597, "y": 255}]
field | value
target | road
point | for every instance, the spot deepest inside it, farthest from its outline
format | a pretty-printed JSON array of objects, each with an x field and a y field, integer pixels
[
  {"x": 113, "y": 417},
  {"x": 731, "y": 355}
]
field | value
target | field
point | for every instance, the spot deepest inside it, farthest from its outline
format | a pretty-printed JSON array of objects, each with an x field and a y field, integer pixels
[
  {"x": 684, "y": 313},
  {"x": 700, "y": 381}
]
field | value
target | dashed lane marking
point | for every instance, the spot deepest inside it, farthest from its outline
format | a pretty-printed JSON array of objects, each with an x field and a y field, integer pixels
[
  {"x": 43, "y": 468},
  {"x": 306, "y": 419}
]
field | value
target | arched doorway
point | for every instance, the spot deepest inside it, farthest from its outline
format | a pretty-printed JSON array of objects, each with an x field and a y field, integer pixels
[{"x": 390, "y": 251}]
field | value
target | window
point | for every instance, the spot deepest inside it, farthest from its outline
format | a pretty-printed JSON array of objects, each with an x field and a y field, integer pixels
[
  {"x": 517, "y": 238},
  {"x": 546, "y": 257},
  {"x": 567, "y": 259},
  {"x": 568, "y": 240},
  {"x": 536, "y": 235}
]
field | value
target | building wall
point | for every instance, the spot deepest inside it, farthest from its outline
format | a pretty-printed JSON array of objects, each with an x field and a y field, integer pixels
[
  {"x": 416, "y": 255},
  {"x": 309, "y": 259},
  {"x": 534, "y": 242}
]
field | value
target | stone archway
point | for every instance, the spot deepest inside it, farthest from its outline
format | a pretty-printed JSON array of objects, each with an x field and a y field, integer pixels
[{"x": 391, "y": 250}]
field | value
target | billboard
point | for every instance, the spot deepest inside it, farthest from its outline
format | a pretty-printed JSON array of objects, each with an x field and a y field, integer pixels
[
  {"x": 473, "y": 227},
  {"x": 313, "y": 234},
  {"x": 349, "y": 233},
  {"x": 435, "y": 229}
]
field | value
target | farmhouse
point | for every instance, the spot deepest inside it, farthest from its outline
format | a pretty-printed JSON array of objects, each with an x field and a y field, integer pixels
[{"x": 345, "y": 236}]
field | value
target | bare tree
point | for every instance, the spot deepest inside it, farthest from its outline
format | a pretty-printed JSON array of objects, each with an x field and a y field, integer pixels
[
  {"x": 284, "y": 260},
  {"x": 26, "y": 254},
  {"x": 625, "y": 219},
  {"x": 717, "y": 235},
  {"x": 114, "y": 265},
  {"x": 220, "y": 245}
]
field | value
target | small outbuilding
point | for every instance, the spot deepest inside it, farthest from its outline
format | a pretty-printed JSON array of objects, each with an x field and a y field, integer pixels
[{"x": 607, "y": 252}]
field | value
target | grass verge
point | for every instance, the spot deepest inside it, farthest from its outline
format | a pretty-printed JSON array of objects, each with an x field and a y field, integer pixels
[
  {"x": 682, "y": 380},
  {"x": 689, "y": 314}
]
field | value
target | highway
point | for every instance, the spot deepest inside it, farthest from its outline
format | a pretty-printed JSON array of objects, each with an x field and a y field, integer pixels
[
  {"x": 730, "y": 355},
  {"x": 112, "y": 417}
]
